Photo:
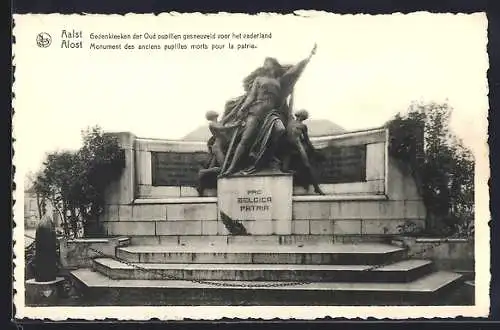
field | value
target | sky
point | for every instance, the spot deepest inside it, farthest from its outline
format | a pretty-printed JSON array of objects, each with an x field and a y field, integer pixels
[{"x": 367, "y": 68}]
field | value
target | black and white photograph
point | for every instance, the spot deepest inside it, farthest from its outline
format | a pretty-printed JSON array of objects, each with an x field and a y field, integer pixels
[{"x": 261, "y": 166}]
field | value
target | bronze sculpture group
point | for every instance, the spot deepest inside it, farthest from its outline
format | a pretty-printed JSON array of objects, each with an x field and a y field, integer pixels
[{"x": 258, "y": 131}]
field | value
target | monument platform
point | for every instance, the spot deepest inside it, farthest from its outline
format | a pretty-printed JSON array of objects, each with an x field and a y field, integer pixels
[
  {"x": 338, "y": 274},
  {"x": 244, "y": 242}
]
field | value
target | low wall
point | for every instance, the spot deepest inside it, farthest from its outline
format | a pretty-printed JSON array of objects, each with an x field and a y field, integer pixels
[
  {"x": 454, "y": 254},
  {"x": 146, "y": 151},
  {"x": 78, "y": 253},
  {"x": 385, "y": 198}
]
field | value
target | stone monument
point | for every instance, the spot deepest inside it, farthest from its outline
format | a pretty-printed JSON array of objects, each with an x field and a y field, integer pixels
[
  {"x": 252, "y": 147},
  {"x": 261, "y": 174}
]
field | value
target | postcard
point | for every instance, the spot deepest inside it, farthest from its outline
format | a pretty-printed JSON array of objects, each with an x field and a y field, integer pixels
[{"x": 207, "y": 166}]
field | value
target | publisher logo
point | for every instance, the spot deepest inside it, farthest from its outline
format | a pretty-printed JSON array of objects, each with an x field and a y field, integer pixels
[{"x": 43, "y": 40}]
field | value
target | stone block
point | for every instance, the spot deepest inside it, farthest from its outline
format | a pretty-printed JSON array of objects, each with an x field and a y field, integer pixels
[
  {"x": 169, "y": 239},
  {"x": 395, "y": 181},
  {"x": 344, "y": 188},
  {"x": 210, "y": 193},
  {"x": 257, "y": 197},
  {"x": 126, "y": 140},
  {"x": 300, "y": 210},
  {"x": 205, "y": 239},
  {"x": 149, "y": 212},
  {"x": 300, "y": 227},
  {"x": 143, "y": 167},
  {"x": 380, "y": 227},
  {"x": 253, "y": 239},
  {"x": 165, "y": 192},
  {"x": 376, "y": 187},
  {"x": 209, "y": 227},
  {"x": 121, "y": 191},
  {"x": 306, "y": 239},
  {"x": 144, "y": 240},
  {"x": 357, "y": 238},
  {"x": 259, "y": 227},
  {"x": 351, "y": 139},
  {"x": 144, "y": 191},
  {"x": 311, "y": 210},
  {"x": 322, "y": 227},
  {"x": 371, "y": 209},
  {"x": 188, "y": 192},
  {"x": 410, "y": 189},
  {"x": 206, "y": 211},
  {"x": 175, "y": 212},
  {"x": 111, "y": 213},
  {"x": 148, "y": 191},
  {"x": 350, "y": 210},
  {"x": 375, "y": 161},
  {"x": 203, "y": 211},
  {"x": 368, "y": 187},
  {"x": 334, "y": 209},
  {"x": 392, "y": 209},
  {"x": 281, "y": 227},
  {"x": 125, "y": 212},
  {"x": 299, "y": 190},
  {"x": 221, "y": 228},
  {"x": 169, "y": 145},
  {"x": 187, "y": 227},
  {"x": 347, "y": 227},
  {"x": 319, "y": 210},
  {"x": 131, "y": 228},
  {"x": 414, "y": 210}
]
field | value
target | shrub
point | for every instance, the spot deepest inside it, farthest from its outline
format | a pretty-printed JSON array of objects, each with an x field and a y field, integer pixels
[
  {"x": 441, "y": 165},
  {"x": 75, "y": 182}
]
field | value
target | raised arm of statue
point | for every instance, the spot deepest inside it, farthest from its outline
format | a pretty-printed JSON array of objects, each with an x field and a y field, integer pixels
[{"x": 292, "y": 75}]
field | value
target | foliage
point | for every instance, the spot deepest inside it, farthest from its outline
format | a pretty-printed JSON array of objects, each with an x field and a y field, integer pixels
[
  {"x": 442, "y": 166},
  {"x": 410, "y": 228},
  {"x": 75, "y": 182},
  {"x": 29, "y": 257}
]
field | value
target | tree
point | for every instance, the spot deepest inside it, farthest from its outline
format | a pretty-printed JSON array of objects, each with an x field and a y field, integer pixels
[
  {"x": 75, "y": 182},
  {"x": 29, "y": 183},
  {"x": 442, "y": 166}
]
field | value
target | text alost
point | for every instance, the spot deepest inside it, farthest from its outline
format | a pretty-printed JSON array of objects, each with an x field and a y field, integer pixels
[{"x": 71, "y": 44}]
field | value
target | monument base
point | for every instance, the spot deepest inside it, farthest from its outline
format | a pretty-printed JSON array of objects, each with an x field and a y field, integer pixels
[
  {"x": 258, "y": 204},
  {"x": 44, "y": 293}
]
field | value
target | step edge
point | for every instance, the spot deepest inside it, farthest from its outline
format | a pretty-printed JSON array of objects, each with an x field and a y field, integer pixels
[
  {"x": 127, "y": 250},
  {"x": 128, "y": 284},
  {"x": 217, "y": 266}
]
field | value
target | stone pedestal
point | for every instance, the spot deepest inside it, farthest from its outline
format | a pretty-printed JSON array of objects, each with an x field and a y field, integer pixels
[
  {"x": 44, "y": 293},
  {"x": 261, "y": 203}
]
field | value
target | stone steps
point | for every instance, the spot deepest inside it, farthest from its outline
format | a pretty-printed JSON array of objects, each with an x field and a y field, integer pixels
[
  {"x": 102, "y": 290},
  {"x": 256, "y": 239},
  {"x": 402, "y": 271},
  {"x": 333, "y": 254}
]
